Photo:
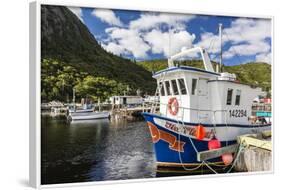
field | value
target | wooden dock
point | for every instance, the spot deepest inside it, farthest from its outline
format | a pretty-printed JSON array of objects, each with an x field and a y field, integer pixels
[
  {"x": 132, "y": 112},
  {"x": 257, "y": 153},
  {"x": 253, "y": 152}
]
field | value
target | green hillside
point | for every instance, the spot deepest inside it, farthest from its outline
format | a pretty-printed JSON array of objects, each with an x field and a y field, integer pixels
[
  {"x": 253, "y": 73},
  {"x": 67, "y": 42},
  {"x": 250, "y": 73}
]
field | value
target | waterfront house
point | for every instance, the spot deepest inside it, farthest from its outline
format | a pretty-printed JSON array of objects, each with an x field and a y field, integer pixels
[{"x": 126, "y": 100}]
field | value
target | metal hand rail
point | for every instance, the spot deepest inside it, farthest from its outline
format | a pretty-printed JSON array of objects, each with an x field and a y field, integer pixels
[{"x": 192, "y": 109}]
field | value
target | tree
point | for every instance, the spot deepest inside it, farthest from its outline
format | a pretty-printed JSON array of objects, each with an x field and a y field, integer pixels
[
  {"x": 57, "y": 80},
  {"x": 98, "y": 88}
]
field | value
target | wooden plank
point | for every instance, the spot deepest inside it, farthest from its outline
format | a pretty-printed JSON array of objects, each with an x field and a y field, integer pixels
[
  {"x": 250, "y": 141},
  {"x": 209, "y": 154}
]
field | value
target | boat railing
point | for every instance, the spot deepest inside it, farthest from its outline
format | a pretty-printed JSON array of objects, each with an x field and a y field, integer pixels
[
  {"x": 213, "y": 114},
  {"x": 158, "y": 104},
  {"x": 213, "y": 117}
]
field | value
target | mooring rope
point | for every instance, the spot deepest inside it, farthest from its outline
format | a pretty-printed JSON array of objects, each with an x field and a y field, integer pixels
[
  {"x": 208, "y": 164},
  {"x": 179, "y": 153},
  {"x": 180, "y": 123}
]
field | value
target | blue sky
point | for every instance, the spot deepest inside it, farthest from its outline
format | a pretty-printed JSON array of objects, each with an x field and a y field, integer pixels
[{"x": 153, "y": 35}]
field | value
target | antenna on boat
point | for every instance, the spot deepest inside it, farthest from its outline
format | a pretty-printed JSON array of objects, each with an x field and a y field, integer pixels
[
  {"x": 170, "y": 62},
  {"x": 220, "y": 35}
]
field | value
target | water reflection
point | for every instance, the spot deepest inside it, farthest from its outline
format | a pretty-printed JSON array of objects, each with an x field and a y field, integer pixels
[
  {"x": 93, "y": 123},
  {"x": 95, "y": 150}
]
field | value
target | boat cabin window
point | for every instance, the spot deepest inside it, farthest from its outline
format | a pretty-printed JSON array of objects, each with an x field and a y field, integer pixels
[
  {"x": 237, "y": 99},
  {"x": 168, "y": 88},
  {"x": 229, "y": 96},
  {"x": 182, "y": 86},
  {"x": 194, "y": 84},
  {"x": 175, "y": 87},
  {"x": 162, "y": 91}
]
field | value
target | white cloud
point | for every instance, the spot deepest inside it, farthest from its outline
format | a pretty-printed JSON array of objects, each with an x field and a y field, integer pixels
[
  {"x": 107, "y": 16},
  {"x": 149, "y": 21},
  {"x": 247, "y": 37},
  {"x": 114, "y": 48},
  {"x": 248, "y": 49},
  {"x": 250, "y": 30},
  {"x": 264, "y": 57},
  {"x": 210, "y": 42},
  {"x": 144, "y": 34},
  {"x": 228, "y": 54},
  {"x": 126, "y": 40},
  {"x": 77, "y": 11},
  {"x": 169, "y": 43}
]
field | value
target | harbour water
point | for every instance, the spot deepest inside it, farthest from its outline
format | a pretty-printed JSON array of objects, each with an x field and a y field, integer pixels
[
  {"x": 95, "y": 150},
  {"x": 99, "y": 150}
]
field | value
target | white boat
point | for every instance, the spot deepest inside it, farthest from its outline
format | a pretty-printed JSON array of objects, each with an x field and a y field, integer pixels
[
  {"x": 86, "y": 112},
  {"x": 197, "y": 108},
  {"x": 81, "y": 110},
  {"x": 85, "y": 107},
  {"x": 90, "y": 122},
  {"x": 73, "y": 116}
]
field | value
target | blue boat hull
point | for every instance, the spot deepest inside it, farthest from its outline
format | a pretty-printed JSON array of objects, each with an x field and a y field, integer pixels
[{"x": 175, "y": 150}]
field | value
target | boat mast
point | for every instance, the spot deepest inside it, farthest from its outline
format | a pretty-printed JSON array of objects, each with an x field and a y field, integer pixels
[
  {"x": 99, "y": 104},
  {"x": 170, "y": 62},
  {"x": 73, "y": 100},
  {"x": 220, "y": 36}
]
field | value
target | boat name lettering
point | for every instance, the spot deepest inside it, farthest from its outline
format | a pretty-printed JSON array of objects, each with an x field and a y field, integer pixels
[{"x": 188, "y": 130}]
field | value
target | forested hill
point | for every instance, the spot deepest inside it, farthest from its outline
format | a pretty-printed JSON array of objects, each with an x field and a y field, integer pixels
[
  {"x": 71, "y": 55},
  {"x": 250, "y": 73}
]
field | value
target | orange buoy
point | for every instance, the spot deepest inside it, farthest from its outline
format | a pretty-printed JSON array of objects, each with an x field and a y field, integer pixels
[
  {"x": 227, "y": 159},
  {"x": 214, "y": 144},
  {"x": 200, "y": 132}
]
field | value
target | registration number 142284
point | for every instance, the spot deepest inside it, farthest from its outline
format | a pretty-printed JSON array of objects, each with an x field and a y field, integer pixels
[{"x": 237, "y": 113}]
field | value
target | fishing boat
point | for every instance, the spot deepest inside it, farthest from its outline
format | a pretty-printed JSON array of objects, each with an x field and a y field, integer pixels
[
  {"x": 86, "y": 106},
  {"x": 86, "y": 112},
  {"x": 200, "y": 109},
  {"x": 72, "y": 110},
  {"x": 74, "y": 116}
]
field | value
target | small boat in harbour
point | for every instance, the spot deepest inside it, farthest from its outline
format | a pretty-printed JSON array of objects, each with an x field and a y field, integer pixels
[
  {"x": 200, "y": 109},
  {"x": 81, "y": 110},
  {"x": 86, "y": 112},
  {"x": 74, "y": 116},
  {"x": 86, "y": 106}
]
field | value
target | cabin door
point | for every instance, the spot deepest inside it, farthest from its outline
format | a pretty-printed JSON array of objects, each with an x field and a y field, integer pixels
[{"x": 203, "y": 100}]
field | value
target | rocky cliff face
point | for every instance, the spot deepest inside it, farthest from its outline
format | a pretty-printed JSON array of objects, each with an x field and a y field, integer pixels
[{"x": 64, "y": 35}]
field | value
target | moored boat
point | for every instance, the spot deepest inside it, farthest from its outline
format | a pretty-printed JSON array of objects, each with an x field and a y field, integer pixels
[
  {"x": 88, "y": 115},
  {"x": 86, "y": 112},
  {"x": 81, "y": 110},
  {"x": 199, "y": 107}
]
